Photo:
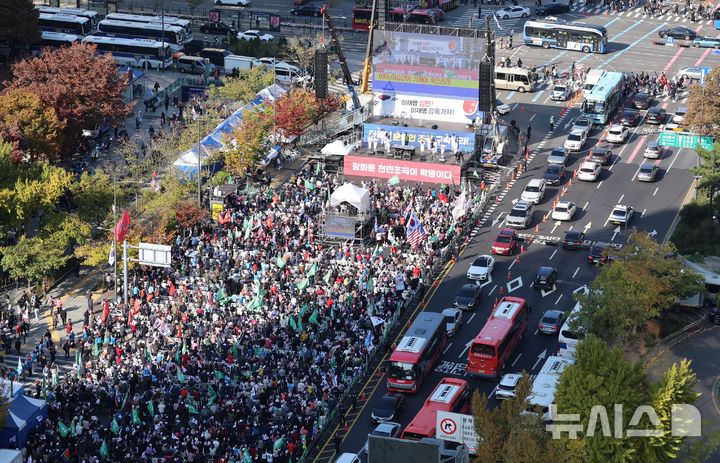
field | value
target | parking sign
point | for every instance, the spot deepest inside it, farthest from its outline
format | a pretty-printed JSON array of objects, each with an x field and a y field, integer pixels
[{"x": 669, "y": 40}]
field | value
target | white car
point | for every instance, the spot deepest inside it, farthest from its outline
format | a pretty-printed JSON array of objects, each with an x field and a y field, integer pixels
[
  {"x": 233, "y": 2},
  {"x": 621, "y": 214},
  {"x": 589, "y": 171},
  {"x": 576, "y": 140},
  {"x": 453, "y": 320},
  {"x": 481, "y": 268},
  {"x": 506, "y": 388},
  {"x": 386, "y": 429},
  {"x": 255, "y": 34},
  {"x": 679, "y": 115},
  {"x": 512, "y": 12},
  {"x": 534, "y": 191},
  {"x": 617, "y": 134},
  {"x": 582, "y": 123},
  {"x": 502, "y": 108},
  {"x": 690, "y": 72},
  {"x": 564, "y": 210}
]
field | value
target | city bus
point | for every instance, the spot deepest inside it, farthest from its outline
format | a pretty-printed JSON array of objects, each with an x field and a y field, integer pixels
[
  {"x": 142, "y": 53},
  {"x": 604, "y": 98},
  {"x": 542, "y": 393},
  {"x": 82, "y": 12},
  {"x": 66, "y": 23},
  {"x": 186, "y": 24},
  {"x": 173, "y": 35},
  {"x": 361, "y": 18},
  {"x": 568, "y": 339},
  {"x": 570, "y": 36},
  {"x": 451, "y": 395},
  {"x": 416, "y": 352},
  {"x": 497, "y": 340}
]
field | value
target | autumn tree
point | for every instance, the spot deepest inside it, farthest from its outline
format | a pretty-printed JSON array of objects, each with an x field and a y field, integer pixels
[
  {"x": 37, "y": 124},
  {"x": 507, "y": 434},
  {"x": 302, "y": 49},
  {"x": 644, "y": 279},
  {"x": 295, "y": 111},
  {"x": 84, "y": 89},
  {"x": 19, "y": 23},
  {"x": 189, "y": 214},
  {"x": 243, "y": 88},
  {"x": 703, "y": 115},
  {"x": 250, "y": 142}
]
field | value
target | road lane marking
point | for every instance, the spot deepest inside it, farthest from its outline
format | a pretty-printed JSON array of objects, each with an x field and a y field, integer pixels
[
  {"x": 492, "y": 290},
  {"x": 643, "y": 213},
  {"x": 678, "y": 53},
  {"x": 470, "y": 319},
  {"x": 516, "y": 360},
  {"x": 598, "y": 187},
  {"x": 558, "y": 299},
  {"x": 539, "y": 94},
  {"x": 637, "y": 149},
  {"x": 586, "y": 204},
  {"x": 621, "y": 198},
  {"x": 511, "y": 264},
  {"x": 553, "y": 254},
  {"x": 576, "y": 272},
  {"x": 656, "y": 190},
  {"x": 447, "y": 348},
  {"x": 632, "y": 45}
]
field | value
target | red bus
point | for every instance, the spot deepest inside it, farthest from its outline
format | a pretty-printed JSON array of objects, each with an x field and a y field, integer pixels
[
  {"x": 497, "y": 340},
  {"x": 451, "y": 395},
  {"x": 361, "y": 18},
  {"x": 416, "y": 353}
]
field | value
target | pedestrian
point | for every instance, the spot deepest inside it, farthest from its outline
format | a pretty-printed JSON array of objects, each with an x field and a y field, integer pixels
[
  {"x": 66, "y": 348},
  {"x": 68, "y": 328},
  {"x": 175, "y": 101},
  {"x": 77, "y": 267},
  {"x": 552, "y": 123},
  {"x": 63, "y": 315},
  {"x": 17, "y": 345},
  {"x": 479, "y": 11},
  {"x": 167, "y": 103},
  {"x": 529, "y": 130},
  {"x": 162, "y": 119},
  {"x": 519, "y": 63},
  {"x": 90, "y": 301},
  {"x": 156, "y": 87},
  {"x": 336, "y": 440}
]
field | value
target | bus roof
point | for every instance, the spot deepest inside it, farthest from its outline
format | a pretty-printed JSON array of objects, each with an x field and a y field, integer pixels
[
  {"x": 155, "y": 26},
  {"x": 414, "y": 341},
  {"x": 508, "y": 308},
  {"x": 604, "y": 87},
  {"x": 64, "y": 17},
  {"x": 550, "y": 22},
  {"x": 49, "y": 35},
  {"x": 555, "y": 365},
  {"x": 123, "y": 41},
  {"x": 500, "y": 322},
  {"x": 73, "y": 11},
  {"x": 543, "y": 390},
  {"x": 445, "y": 391}
]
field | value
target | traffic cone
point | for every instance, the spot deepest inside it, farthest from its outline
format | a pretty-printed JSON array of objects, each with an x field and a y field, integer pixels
[
  {"x": 345, "y": 427},
  {"x": 544, "y": 218},
  {"x": 496, "y": 301},
  {"x": 529, "y": 239},
  {"x": 507, "y": 185},
  {"x": 522, "y": 248},
  {"x": 519, "y": 169},
  {"x": 606, "y": 12},
  {"x": 562, "y": 193},
  {"x": 379, "y": 373},
  {"x": 574, "y": 173},
  {"x": 363, "y": 397},
  {"x": 537, "y": 228},
  {"x": 517, "y": 259},
  {"x": 509, "y": 277},
  {"x": 496, "y": 200},
  {"x": 512, "y": 177},
  {"x": 522, "y": 109},
  {"x": 570, "y": 183},
  {"x": 501, "y": 291}
]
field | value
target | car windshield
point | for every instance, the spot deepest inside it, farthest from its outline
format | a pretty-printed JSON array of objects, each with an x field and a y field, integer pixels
[
  {"x": 615, "y": 131},
  {"x": 553, "y": 170},
  {"x": 532, "y": 189},
  {"x": 641, "y": 97},
  {"x": 596, "y": 251},
  {"x": 481, "y": 262},
  {"x": 386, "y": 404},
  {"x": 503, "y": 239},
  {"x": 618, "y": 213},
  {"x": 557, "y": 152},
  {"x": 518, "y": 213},
  {"x": 646, "y": 169},
  {"x": 581, "y": 122},
  {"x": 401, "y": 370},
  {"x": 559, "y": 89},
  {"x": 561, "y": 209},
  {"x": 574, "y": 137},
  {"x": 506, "y": 387},
  {"x": 595, "y": 107},
  {"x": 587, "y": 169},
  {"x": 466, "y": 291},
  {"x": 449, "y": 319}
]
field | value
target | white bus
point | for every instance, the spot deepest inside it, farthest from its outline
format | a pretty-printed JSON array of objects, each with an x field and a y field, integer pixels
[
  {"x": 90, "y": 14},
  {"x": 140, "y": 18},
  {"x": 173, "y": 35},
  {"x": 568, "y": 339},
  {"x": 542, "y": 394},
  {"x": 66, "y": 23},
  {"x": 143, "y": 53},
  {"x": 56, "y": 39}
]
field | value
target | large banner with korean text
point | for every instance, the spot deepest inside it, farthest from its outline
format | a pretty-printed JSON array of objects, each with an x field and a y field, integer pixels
[
  {"x": 414, "y": 135},
  {"x": 405, "y": 170},
  {"x": 426, "y": 108}
]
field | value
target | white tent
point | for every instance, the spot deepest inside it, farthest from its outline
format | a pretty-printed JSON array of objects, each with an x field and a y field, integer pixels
[
  {"x": 336, "y": 148},
  {"x": 349, "y": 193},
  {"x": 272, "y": 92}
]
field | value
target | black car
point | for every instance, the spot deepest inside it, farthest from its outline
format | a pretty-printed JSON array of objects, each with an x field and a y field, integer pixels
[
  {"x": 554, "y": 174},
  {"x": 630, "y": 118},
  {"x": 468, "y": 297},
  {"x": 596, "y": 255},
  {"x": 306, "y": 10},
  {"x": 217, "y": 27},
  {"x": 389, "y": 406},
  {"x": 573, "y": 239},
  {"x": 655, "y": 115},
  {"x": 546, "y": 278},
  {"x": 682, "y": 33},
  {"x": 601, "y": 154},
  {"x": 552, "y": 8},
  {"x": 641, "y": 101}
]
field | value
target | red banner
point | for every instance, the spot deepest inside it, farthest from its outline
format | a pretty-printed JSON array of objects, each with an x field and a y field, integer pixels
[{"x": 405, "y": 170}]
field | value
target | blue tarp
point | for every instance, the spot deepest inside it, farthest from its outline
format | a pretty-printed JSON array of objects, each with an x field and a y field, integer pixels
[{"x": 24, "y": 415}]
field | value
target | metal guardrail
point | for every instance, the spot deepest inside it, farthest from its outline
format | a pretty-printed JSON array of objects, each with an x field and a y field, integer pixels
[
  {"x": 676, "y": 338},
  {"x": 333, "y": 126}
]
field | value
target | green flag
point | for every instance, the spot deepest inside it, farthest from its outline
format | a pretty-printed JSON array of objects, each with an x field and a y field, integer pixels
[
  {"x": 292, "y": 324},
  {"x": 299, "y": 325},
  {"x": 371, "y": 283},
  {"x": 247, "y": 233},
  {"x": 270, "y": 193},
  {"x": 180, "y": 375},
  {"x": 184, "y": 348},
  {"x": 475, "y": 174},
  {"x": 314, "y": 317},
  {"x": 135, "y": 416},
  {"x": 115, "y": 427},
  {"x": 151, "y": 408},
  {"x": 327, "y": 276},
  {"x": 303, "y": 310},
  {"x": 177, "y": 355},
  {"x": 319, "y": 169},
  {"x": 96, "y": 350},
  {"x": 193, "y": 410},
  {"x": 313, "y": 270},
  {"x": 394, "y": 180},
  {"x": 309, "y": 185},
  {"x": 148, "y": 356},
  {"x": 219, "y": 375},
  {"x": 122, "y": 407},
  {"x": 72, "y": 428},
  {"x": 246, "y": 456},
  {"x": 235, "y": 351},
  {"x": 62, "y": 429},
  {"x": 280, "y": 262},
  {"x": 278, "y": 443},
  {"x": 256, "y": 303},
  {"x": 303, "y": 284},
  {"x": 211, "y": 401},
  {"x": 104, "y": 452},
  {"x": 211, "y": 391}
]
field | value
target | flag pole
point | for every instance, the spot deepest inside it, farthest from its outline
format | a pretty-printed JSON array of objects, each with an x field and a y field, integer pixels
[
  {"x": 115, "y": 221},
  {"x": 125, "y": 272}
]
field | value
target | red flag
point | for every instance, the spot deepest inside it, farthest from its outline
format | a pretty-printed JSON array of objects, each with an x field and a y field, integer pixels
[
  {"x": 172, "y": 289},
  {"x": 122, "y": 226},
  {"x": 106, "y": 311},
  {"x": 130, "y": 317},
  {"x": 228, "y": 217}
]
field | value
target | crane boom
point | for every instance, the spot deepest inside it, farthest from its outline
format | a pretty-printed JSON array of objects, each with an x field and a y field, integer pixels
[
  {"x": 368, "y": 51},
  {"x": 341, "y": 57}
]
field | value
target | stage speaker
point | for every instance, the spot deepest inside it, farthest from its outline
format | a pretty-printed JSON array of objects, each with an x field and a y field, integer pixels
[
  {"x": 321, "y": 74},
  {"x": 382, "y": 14},
  {"x": 486, "y": 88}
]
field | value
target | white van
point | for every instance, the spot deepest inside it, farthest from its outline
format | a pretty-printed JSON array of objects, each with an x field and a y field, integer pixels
[
  {"x": 287, "y": 73},
  {"x": 591, "y": 79},
  {"x": 237, "y": 62},
  {"x": 514, "y": 78},
  {"x": 711, "y": 282},
  {"x": 193, "y": 64}
]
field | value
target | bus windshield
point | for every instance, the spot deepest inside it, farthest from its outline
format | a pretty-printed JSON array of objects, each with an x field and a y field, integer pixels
[
  {"x": 401, "y": 370},
  {"x": 595, "y": 107}
]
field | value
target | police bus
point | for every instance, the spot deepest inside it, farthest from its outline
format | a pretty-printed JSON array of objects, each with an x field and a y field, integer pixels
[{"x": 143, "y": 53}]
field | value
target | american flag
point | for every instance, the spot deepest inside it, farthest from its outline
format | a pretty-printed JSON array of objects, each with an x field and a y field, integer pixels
[{"x": 415, "y": 230}]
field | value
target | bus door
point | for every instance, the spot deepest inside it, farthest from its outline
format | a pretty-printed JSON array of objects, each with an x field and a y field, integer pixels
[{"x": 562, "y": 39}]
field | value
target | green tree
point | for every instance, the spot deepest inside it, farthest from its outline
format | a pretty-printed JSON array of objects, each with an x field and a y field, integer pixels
[
  {"x": 644, "y": 279},
  {"x": 243, "y": 88},
  {"x": 93, "y": 196},
  {"x": 18, "y": 23},
  {"x": 34, "y": 258},
  {"x": 506, "y": 434},
  {"x": 41, "y": 130}
]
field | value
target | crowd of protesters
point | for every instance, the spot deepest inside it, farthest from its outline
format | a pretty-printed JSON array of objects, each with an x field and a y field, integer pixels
[{"x": 241, "y": 350}]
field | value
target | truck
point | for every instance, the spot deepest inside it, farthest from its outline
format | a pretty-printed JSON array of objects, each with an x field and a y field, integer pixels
[
  {"x": 493, "y": 144},
  {"x": 236, "y": 61},
  {"x": 591, "y": 79}
]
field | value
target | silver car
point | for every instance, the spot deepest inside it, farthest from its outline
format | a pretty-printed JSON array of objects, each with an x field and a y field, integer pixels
[{"x": 453, "y": 320}]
